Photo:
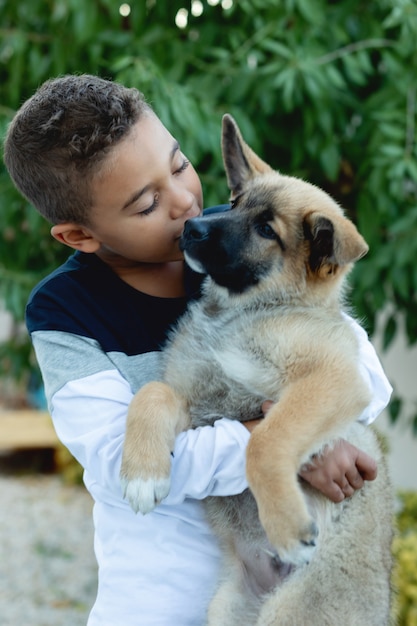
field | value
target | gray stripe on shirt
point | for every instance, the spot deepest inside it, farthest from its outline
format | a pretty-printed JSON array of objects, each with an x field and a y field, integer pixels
[{"x": 64, "y": 357}]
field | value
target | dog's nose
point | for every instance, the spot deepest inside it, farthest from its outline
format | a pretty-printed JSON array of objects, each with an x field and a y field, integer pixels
[{"x": 196, "y": 229}]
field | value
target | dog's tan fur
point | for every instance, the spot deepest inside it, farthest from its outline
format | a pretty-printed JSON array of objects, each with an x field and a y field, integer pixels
[{"x": 282, "y": 338}]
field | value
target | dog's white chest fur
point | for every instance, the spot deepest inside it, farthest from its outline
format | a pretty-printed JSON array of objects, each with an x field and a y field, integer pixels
[
  {"x": 242, "y": 368},
  {"x": 224, "y": 345}
]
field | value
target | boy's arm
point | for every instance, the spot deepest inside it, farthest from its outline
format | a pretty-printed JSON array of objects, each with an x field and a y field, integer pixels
[
  {"x": 372, "y": 371},
  {"x": 88, "y": 400}
]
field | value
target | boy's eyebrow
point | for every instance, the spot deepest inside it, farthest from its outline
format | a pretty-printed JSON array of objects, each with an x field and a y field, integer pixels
[{"x": 137, "y": 194}]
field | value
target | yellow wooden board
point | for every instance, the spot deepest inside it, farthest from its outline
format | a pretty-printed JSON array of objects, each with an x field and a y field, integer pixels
[{"x": 26, "y": 429}]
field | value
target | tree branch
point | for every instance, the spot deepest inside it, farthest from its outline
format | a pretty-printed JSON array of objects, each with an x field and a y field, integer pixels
[{"x": 354, "y": 47}]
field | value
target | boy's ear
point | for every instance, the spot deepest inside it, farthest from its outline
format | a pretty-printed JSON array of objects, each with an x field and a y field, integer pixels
[{"x": 75, "y": 236}]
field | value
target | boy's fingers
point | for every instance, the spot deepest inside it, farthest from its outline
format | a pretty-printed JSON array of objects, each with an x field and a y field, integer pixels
[
  {"x": 334, "y": 492},
  {"x": 355, "y": 480},
  {"x": 348, "y": 489},
  {"x": 366, "y": 466},
  {"x": 266, "y": 406},
  {"x": 321, "y": 481}
]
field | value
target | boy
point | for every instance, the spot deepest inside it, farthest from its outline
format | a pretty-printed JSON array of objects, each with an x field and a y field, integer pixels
[{"x": 99, "y": 165}]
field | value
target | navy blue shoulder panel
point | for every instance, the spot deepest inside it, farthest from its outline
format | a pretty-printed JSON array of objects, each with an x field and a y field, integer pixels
[{"x": 85, "y": 297}]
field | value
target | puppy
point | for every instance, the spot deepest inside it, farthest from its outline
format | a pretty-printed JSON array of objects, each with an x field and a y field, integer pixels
[{"x": 270, "y": 325}]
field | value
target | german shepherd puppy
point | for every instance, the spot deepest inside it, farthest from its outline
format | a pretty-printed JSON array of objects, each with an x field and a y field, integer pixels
[{"x": 270, "y": 326}]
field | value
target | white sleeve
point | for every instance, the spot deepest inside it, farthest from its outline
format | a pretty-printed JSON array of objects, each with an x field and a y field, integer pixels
[
  {"x": 90, "y": 417},
  {"x": 374, "y": 375},
  {"x": 209, "y": 461}
]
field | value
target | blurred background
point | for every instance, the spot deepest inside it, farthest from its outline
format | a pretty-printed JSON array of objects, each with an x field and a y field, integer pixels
[{"x": 325, "y": 90}]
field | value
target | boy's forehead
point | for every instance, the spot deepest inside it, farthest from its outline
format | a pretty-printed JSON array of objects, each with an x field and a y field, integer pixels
[
  {"x": 149, "y": 126},
  {"x": 147, "y": 135}
]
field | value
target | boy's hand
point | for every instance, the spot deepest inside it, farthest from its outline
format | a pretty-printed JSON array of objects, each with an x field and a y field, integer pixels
[{"x": 339, "y": 471}]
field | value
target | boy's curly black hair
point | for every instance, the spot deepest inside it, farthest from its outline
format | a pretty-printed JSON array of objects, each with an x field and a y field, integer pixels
[{"x": 58, "y": 139}]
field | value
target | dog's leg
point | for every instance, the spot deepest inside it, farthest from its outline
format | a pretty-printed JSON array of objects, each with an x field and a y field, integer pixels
[
  {"x": 295, "y": 427},
  {"x": 233, "y": 603},
  {"x": 348, "y": 582},
  {"x": 156, "y": 415},
  {"x": 230, "y": 606}
]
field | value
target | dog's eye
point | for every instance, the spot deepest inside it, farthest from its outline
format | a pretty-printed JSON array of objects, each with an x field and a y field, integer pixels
[{"x": 266, "y": 231}]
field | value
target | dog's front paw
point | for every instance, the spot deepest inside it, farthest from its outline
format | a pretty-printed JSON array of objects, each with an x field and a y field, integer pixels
[
  {"x": 291, "y": 530},
  {"x": 143, "y": 494},
  {"x": 282, "y": 507},
  {"x": 297, "y": 549},
  {"x": 145, "y": 476}
]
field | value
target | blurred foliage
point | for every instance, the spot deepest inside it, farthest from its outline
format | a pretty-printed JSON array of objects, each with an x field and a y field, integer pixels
[
  {"x": 405, "y": 554},
  {"x": 68, "y": 467},
  {"x": 322, "y": 89}
]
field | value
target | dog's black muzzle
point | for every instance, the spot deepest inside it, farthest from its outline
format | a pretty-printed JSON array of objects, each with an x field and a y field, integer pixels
[
  {"x": 216, "y": 245},
  {"x": 209, "y": 241},
  {"x": 195, "y": 229},
  {"x": 199, "y": 230}
]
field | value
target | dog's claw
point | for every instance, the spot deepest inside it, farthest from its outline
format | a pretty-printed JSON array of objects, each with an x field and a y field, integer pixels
[
  {"x": 299, "y": 549},
  {"x": 298, "y": 556},
  {"x": 144, "y": 495}
]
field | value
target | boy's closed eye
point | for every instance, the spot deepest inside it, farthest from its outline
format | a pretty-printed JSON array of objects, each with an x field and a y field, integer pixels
[
  {"x": 183, "y": 166},
  {"x": 185, "y": 163},
  {"x": 150, "y": 208}
]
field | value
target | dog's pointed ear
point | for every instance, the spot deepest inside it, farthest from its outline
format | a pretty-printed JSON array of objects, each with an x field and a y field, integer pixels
[
  {"x": 334, "y": 241},
  {"x": 240, "y": 161}
]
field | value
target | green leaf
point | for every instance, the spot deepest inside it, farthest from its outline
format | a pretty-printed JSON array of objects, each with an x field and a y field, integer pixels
[
  {"x": 392, "y": 150},
  {"x": 277, "y": 48},
  {"x": 330, "y": 160},
  {"x": 312, "y": 10},
  {"x": 394, "y": 408},
  {"x": 390, "y": 331}
]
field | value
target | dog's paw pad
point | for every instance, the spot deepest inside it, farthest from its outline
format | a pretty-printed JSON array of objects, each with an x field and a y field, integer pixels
[{"x": 144, "y": 494}]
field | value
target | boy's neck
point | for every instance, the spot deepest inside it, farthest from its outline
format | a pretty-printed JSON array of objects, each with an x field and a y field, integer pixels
[{"x": 163, "y": 280}]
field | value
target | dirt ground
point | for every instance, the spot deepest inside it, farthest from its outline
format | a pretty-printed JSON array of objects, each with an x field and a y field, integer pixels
[{"x": 47, "y": 566}]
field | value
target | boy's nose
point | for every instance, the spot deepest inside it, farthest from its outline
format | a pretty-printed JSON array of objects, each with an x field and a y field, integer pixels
[{"x": 182, "y": 200}]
